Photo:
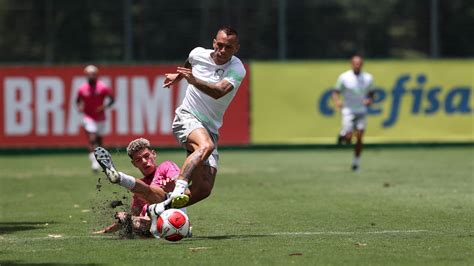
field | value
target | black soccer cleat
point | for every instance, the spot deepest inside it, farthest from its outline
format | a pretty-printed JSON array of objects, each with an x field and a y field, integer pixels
[
  {"x": 104, "y": 159},
  {"x": 355, "y": 168}
]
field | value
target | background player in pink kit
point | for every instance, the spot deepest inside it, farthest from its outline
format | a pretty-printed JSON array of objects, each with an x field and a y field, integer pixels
[
  {"x": 152, "y": 188},
  {"x": 93, "y": 98}
]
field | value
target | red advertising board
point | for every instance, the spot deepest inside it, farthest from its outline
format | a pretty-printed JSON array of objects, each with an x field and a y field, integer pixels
[{"x": 37, "y": 107}]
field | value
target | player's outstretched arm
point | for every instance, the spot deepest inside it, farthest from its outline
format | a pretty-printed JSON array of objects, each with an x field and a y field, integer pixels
[
  {"x": 109, "y": 229},
  {"x": 172, "y": 78},
  {"x": 215, "y": 90}
]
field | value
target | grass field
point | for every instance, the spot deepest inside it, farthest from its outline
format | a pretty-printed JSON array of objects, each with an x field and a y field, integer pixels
[{"x": 410, "y": 206}]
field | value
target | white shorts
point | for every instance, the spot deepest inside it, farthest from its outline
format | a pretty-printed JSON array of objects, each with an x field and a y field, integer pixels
[
  {"x": 92, "y": 126},
  {"x": 351, "y": 122},
  {"x": 184, "y": 123}
]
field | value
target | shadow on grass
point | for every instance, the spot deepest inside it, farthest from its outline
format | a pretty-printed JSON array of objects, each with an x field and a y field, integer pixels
[
  {"x": 16, "y": 262},
  {"x": 199, "y": 238},
  {"x": 12, "y": 227},
  {"x": 229, "y": 237}
]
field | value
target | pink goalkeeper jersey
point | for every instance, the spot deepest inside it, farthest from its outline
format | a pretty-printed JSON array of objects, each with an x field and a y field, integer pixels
[
  {"x": 167, "y": 171},
  {"x": 93, "y": 97}
]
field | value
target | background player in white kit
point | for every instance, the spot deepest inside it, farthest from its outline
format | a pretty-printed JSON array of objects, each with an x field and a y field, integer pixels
[
  {"x": 356, "y": 89},
  {"x": 214, "y": 76}
]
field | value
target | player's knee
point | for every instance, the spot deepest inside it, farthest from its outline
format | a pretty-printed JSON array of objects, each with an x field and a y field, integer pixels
[
  {"x": 206, "y": 190},
  {"x": 207, "y": 149},
  {"x": 201, "y": 189},
  {"x": 93, "y": 140}
]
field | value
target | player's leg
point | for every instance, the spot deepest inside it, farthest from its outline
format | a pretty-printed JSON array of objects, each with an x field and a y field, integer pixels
[
  {"x": 358, "y": 145},
  {"x": 348, "y": 137},
  {"x": 193, "y": 135},
  {"x": 100, "y": 125},
  {"x": 203, "y": 178},
  {"x": 150, "y": 193},
  {"x": 91, "y": 140},
  {"x": 99, "y": 140},
  {"x": 357, "y": 150},
  {"x": 91, "y": 129},
  {"x": 360, "y": 124},
  {"x": 200, "y": 146},
  {"x": 91, "y": 144},
  {"x": 347, "y": 127},
  {"x": 202, "y": 153}
]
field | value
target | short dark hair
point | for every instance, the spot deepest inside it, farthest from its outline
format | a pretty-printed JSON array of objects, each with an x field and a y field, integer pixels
[{"x": 229, "y": 30}]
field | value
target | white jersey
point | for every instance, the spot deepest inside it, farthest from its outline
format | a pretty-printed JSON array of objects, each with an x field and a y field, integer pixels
[
  {"x": 208, "y": 110},
  {"x": 354, "y": 89}
]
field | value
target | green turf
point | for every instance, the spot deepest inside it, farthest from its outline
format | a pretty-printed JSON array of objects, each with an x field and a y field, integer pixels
[{"x": 278, "y": 207}]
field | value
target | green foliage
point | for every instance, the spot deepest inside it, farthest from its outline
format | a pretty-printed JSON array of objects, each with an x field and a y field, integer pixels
[
  {"x": 55, "y": 31},
  {"x": 279, "y": 207}
]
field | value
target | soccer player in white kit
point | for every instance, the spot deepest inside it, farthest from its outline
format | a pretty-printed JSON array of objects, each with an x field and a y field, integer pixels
[
  {"x": 356, "y": 89},
  {"x": 214, "y": 76}
]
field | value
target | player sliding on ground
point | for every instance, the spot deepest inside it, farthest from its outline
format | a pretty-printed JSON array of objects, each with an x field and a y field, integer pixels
[
  {"x": 214, "y": 76},
  {"x": 158, "y": 181}
]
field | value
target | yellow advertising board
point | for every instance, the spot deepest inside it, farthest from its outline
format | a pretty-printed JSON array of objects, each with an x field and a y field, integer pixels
[{"x": 416, "y": 101}]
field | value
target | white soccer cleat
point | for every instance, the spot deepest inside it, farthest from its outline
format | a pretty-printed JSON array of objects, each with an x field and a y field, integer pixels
[
  {"x": 104, "y": 159},
  {"x": 154, "y": 211}
]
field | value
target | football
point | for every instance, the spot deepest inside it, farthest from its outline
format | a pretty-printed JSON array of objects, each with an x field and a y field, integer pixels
[{"x": 173, "y": 225}]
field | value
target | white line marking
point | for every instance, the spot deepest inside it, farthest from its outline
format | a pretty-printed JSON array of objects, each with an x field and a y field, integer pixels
[
  {"x": 16, "y": 239},
  {"x": 351, "y": 233}
]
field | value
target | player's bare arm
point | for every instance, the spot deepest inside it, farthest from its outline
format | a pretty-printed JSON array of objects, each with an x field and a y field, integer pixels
[
  {"x": 336, "y": 97},
  {"x": 79, "y": 104},
  {"x": 370, "y": 98},
  {"x": 216, "y": 90},
  {"x": 172, "y": 78},
  {"x": 109, "y": 229},
  {"x": 109, "y": 104}
]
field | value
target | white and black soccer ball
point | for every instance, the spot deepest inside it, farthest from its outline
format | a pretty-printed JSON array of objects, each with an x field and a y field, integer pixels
[{"x": 173, "y": 225}]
